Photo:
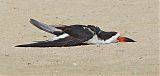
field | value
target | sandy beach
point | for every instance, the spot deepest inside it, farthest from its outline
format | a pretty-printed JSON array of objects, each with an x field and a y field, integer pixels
[{"x": 137, "y": 19}]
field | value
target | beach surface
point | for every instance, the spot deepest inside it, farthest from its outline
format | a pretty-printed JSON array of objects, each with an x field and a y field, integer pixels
[{"x": 136, "y": 19}]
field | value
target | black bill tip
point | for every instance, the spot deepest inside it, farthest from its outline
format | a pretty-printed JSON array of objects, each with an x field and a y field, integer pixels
[{"x": 129, "y": 40}]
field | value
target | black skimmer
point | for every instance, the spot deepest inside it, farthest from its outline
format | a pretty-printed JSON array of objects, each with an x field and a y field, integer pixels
[{"x": 74, "y": 35}]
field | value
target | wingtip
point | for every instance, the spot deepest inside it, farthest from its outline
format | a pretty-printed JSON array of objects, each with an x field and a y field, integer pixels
[
  {"x": 20, "y": 46},
  {"x": 16, "y": 46},
  {"x": 26, "y": 45},
  {"x": 32, "y": 20}
]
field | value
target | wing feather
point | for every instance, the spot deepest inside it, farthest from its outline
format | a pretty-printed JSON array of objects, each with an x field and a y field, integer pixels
[
  {"x": 64, "y": 42},
  {"x": 45, "y": 27}
]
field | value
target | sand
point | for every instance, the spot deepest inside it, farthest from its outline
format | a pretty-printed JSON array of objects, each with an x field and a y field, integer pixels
[{"x": 137, "y": 19}]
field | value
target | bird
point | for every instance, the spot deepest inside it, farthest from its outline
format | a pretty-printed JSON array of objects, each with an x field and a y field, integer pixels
[{"x": 74, "y": 35}]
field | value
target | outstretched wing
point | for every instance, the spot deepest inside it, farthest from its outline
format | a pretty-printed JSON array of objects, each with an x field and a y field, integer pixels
[
  {"x": 46, "y": 27},
  {"x": 77, "y": 31},
  {"x": 63, "y": 42}
]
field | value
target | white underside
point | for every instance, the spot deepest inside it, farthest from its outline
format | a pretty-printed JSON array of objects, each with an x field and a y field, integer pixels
[{"x": 96, "y": 40}]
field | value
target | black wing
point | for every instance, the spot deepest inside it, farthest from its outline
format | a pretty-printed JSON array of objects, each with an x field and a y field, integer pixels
[
  {"x": 77, "y": 31},
  {"x": 64, "y": 42},
  {"x": 46, "y": 27}
]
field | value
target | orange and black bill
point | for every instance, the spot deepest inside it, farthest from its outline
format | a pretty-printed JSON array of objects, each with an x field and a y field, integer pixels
[{"x": 125, "y": 39}]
